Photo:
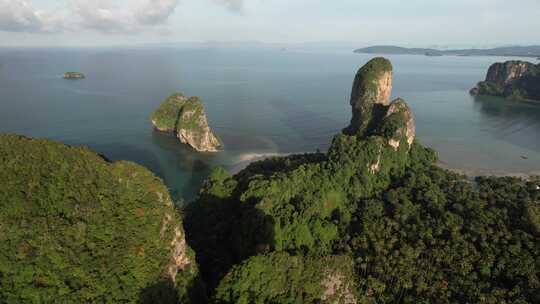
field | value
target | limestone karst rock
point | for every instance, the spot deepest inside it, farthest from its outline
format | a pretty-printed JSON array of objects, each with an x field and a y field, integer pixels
[
  {"x": 507, "y": 72},
  {"x": 398, "y": 123},
  {"x": 371, "y": 92},
  {"x": 512, "y": 79},
  {"x": 186, "y": 117},
  {"x": 372, "y": 111}
]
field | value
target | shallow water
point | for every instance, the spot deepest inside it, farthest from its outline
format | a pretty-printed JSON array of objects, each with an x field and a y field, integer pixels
[{"x": 258, "y": 102}]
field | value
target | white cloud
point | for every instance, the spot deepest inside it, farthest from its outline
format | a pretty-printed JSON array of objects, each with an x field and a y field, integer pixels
[
  {"x": 100, "y": 15},
  {"x": 107, "y": 16},
  {"x": 21, "y": 16}
]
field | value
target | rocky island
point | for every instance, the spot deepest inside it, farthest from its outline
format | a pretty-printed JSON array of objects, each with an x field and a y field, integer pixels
[
  {"x": 517, "y": 80},
  {"x": 74, "y": 75},
  {"x": 186, "y": 117}
]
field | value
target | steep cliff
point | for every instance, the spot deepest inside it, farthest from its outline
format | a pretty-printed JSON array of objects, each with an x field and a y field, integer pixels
[
  {"x": 371, "y": 92},
  {"x": 186, "y": 118},
  {"x": 75, "y": 228},
  {"x": 511, "y": 79}
]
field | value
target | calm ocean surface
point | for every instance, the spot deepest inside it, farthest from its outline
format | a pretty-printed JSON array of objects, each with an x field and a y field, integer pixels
[{"x": 258, "y": 102}]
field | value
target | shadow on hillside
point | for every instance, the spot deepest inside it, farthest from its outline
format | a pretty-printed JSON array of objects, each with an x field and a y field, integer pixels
[
  {"x": 164, "y": 292},
  {"x": 223, "y": 233}
]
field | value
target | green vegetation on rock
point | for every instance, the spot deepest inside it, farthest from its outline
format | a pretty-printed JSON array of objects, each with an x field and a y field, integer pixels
[
  {"x": 75, "y": 228},
  {"x": 186, "y": 118},
  {"x": 296, "y": 279},
  {"x": 415, "y": 233}
]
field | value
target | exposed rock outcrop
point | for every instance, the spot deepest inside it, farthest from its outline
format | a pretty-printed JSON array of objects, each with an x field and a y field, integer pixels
[
  {"x": 372, "y": 111},
  {"x": 371, "y": 92},
  {"x": 505, "y": 73},
  {"x": 511, "y": 79},
  {"x": 399, "y": 124},
  {"x": 186, "y": 118},
  {"x": 74, "y": 75}
]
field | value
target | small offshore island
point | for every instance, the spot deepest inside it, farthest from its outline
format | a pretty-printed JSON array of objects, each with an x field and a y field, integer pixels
[
  {"x": 515, "y": 80},
  {"x": 74, "y": 75},
  {"x": 373, "y": 220},
  {"x": 186, "y": 118}
]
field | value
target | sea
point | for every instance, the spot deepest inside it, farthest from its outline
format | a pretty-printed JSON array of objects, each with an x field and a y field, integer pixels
[{"x": 261, "y": 103}]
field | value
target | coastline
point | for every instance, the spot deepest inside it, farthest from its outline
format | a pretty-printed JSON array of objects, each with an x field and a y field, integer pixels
[
  {"x": 475, "y": 172},
  {"x": 246, "y": 159}
]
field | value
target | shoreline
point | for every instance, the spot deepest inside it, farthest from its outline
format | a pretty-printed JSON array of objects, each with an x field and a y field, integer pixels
[
  {"x": 249, "y": 158},
  {"x": 476, "y": 172}
]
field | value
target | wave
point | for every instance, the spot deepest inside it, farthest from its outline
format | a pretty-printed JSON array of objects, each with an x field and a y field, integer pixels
[
  {"x": 251, "y": 157},
  {"x": 243, "y": 160}
]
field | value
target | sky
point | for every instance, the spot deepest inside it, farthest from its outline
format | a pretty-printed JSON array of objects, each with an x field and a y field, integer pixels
[{"x": 419, "y": 23}]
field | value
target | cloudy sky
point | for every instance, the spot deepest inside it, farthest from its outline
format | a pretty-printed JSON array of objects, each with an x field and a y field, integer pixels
[{"x": 411, "y": 22}]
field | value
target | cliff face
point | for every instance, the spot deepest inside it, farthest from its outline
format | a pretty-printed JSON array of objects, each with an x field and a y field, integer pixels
[
  {"x": 75, "y": 228},
  {"x": 372, "y": 111},
  {"x": 506, "y": 73},
  {"x": 186, "y": 118},
  {"x": 511, "y": 79},
  {"x": 370, "y": 93}
]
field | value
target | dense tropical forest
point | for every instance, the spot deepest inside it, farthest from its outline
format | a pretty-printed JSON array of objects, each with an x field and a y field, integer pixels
[
  {"x": 373, "y": 220},
  {"x": 75, "y": 228}
]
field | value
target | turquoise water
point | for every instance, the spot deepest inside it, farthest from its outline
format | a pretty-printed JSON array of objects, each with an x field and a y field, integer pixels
[{"x": 258, "y": 102}]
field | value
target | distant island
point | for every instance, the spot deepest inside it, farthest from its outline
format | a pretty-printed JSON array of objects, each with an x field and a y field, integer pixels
[
  {"x": 517, "y": 51},
  {"x": 186, "y": 118},
  {"x": 517, "y": 80},
  {"x": 74, "y": 75}
]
